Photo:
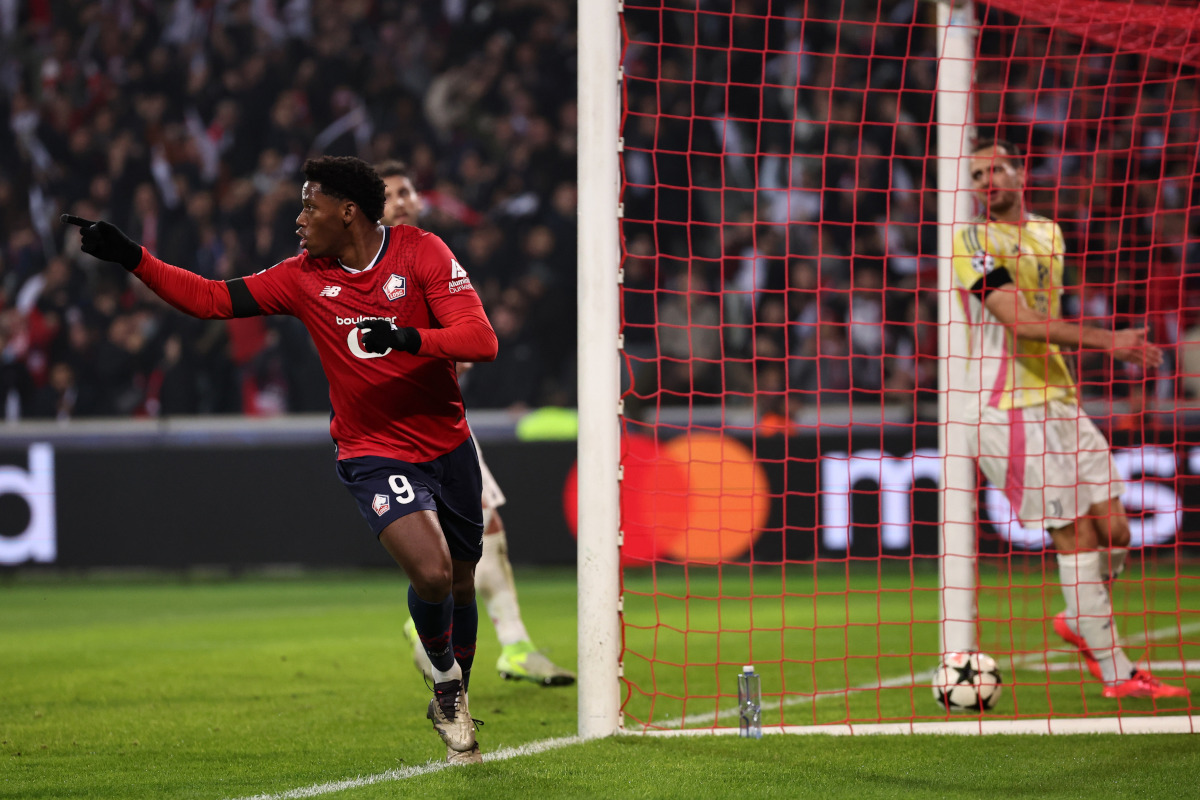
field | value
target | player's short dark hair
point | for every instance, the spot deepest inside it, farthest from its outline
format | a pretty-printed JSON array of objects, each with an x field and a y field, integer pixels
[
  {"x": 393, "y": 168},
  {"x": 348, "y": 178},
  {"x": 1011, "y": 150}
]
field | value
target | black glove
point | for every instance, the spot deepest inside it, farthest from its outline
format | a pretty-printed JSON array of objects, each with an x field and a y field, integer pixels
[
  {"x": 107, "y": 242},
  {"x": 380, "y": 335}
]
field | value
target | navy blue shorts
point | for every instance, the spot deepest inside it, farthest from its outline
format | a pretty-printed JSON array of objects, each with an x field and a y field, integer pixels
[{"x": 450, "y": 485}]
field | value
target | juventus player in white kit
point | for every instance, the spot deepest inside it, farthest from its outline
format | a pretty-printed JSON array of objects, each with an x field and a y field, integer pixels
[
  {"x": 1034, "y": 441},
  {"x": 519, "y": 659}
]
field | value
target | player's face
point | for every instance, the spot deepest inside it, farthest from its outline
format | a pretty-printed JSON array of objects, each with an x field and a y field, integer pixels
[
  {"x": 320, "y": 225},
  {"x": 998, "y": 181},
  {"x": 402, "y": 204}
]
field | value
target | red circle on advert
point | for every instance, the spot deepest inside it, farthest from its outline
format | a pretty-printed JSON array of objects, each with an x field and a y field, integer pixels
[
  {"x": 729, "y": 498},
  {"x": 654, "y": 500}
]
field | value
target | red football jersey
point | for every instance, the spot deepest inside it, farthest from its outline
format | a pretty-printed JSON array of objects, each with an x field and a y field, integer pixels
[{"x": 396, "y": 405}]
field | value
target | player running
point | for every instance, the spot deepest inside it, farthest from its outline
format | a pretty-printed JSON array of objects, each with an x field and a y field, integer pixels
[
  {"x": 390, "y": 313},
  {"x": 519, "y": 658},
  {"x": 1034, "y": 442}
]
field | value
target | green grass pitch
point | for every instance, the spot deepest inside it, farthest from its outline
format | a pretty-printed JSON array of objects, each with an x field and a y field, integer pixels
[
  {"x": 230, "y": 688},
  {"x": 825, "y": 636}
]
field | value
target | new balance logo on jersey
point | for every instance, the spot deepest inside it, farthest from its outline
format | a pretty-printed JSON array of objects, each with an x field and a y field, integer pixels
[
  {"x": 458, "y": 277},
  {"x": 330, "y": 291}
]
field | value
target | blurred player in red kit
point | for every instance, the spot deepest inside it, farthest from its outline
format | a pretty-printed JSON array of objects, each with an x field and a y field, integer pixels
[
  {"x": 390, "y": 312},
  {"x": 519, "y": 658}
]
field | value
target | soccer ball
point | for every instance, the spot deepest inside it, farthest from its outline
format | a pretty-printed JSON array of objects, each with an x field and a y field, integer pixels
[{"x": 967, "y": 682}]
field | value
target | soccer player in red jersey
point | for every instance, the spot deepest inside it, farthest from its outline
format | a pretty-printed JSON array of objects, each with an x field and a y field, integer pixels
[
  {"x": 519, "y": 658},
  {"x": 391, "y": 311}
]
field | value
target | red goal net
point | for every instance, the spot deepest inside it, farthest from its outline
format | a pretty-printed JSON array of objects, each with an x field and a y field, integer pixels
[{"x": 780, "y": 498}]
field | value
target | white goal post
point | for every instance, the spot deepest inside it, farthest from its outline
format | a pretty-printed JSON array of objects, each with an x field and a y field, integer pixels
[
  {"x": 956, "y": 58},
  {"x": 599, "y": 633}
]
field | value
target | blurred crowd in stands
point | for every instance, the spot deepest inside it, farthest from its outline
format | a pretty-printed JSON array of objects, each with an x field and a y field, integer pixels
[
  {"x": 779, "y": 226},
  {"x": 791, "y": 221},
  {"x": 187, "y": 123},
  {"x": 781, "y": 203}
]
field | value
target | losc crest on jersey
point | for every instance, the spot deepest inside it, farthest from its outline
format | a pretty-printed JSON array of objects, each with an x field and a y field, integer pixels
[{"x": 394, "y": 288}]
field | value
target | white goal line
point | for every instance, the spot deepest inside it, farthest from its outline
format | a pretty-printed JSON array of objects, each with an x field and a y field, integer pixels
[
  {"x": 973, "y": 727},
  {"x": 1187, "y": 665}
]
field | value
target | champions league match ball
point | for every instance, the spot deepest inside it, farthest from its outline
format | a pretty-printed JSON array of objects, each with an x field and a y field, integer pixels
[{"x": 967, "y": 682}]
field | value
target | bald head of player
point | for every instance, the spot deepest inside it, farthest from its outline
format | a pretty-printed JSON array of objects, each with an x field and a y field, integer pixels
[
  {"x": 402, "y": 201},
  {"x": 342, "y": 201},
  {"x": 998, "y": 177}
]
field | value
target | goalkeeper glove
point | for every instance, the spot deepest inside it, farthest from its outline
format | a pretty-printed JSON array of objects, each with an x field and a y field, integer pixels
[
  {"x": 381, "y": 335},
  {"x": 107, "y": 242}
]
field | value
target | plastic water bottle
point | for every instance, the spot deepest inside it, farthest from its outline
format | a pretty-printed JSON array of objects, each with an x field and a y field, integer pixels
[{"x": 749, "y": 704}]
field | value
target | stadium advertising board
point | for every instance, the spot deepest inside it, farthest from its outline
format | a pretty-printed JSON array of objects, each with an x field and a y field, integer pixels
[
  {"x": 73, "y": 505},
  {"x": 865, "y": 494},
  {"x": 699, "y": 498},
  {"x": 873, "y": 494},
  {"x": 28, "y": 531}
]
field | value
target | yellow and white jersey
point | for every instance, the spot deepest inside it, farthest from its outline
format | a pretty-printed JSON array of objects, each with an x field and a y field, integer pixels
[{"x": 1012, "y": 372}]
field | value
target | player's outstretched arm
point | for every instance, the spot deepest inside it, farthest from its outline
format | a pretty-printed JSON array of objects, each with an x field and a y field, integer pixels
[
  {"x": 1132, "y": 346},
  {"x": 106, "y": 241},
  {"x": 186, "y": 291},
  {"x": 1008, "y": 305}
]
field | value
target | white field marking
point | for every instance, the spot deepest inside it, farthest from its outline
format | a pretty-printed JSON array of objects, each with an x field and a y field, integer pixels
[
  {"x": 503, "y": 754},
  {"x": 975, "y": 727},
  {"x": 1190, "y": 665},
  {"x": 709, "y": 718}
]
